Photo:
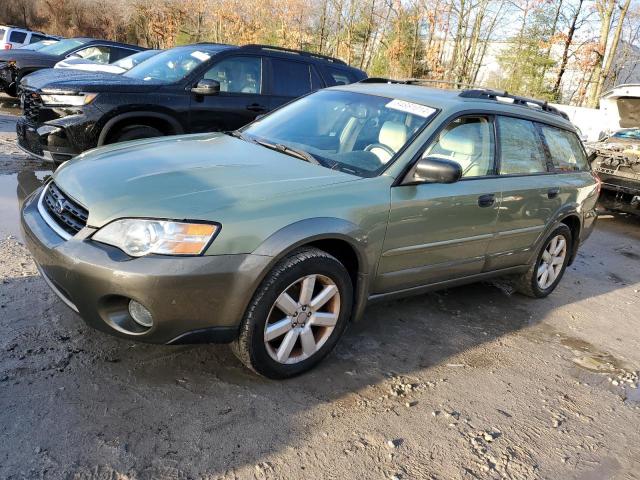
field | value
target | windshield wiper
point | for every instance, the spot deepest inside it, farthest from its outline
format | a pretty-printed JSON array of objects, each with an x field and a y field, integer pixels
[
  {"x": 238, "y": 134},
  {"x": 294, "y": 152}
]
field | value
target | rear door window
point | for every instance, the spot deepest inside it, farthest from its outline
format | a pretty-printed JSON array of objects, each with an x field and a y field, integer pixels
[
  {"x": 17, "y": 37},
  {"x": 566, "y": 151},
  {"x": 119, "y": 53},
  {"x": 290, "y": 79},
  {"x": 521, "y": 149},
  {"x": 340, "y": 77},
  {"x": 36, "y": 38}
]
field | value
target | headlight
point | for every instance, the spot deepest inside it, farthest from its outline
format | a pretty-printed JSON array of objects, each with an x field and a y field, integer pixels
[
  {"x": 139, "y": 237},
  {"x": 68, "y": 100}
]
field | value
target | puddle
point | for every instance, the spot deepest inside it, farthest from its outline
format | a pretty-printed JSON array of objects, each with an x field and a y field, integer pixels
[
  {"x": 14, "y": 189},
  {"x": 587, "y": 357},
  {"x": 632, "y": 395},
  {"x": 9, "y": 105}
]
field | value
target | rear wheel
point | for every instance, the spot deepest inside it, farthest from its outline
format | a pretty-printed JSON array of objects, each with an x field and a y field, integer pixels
[
  {"x": 296, "y": 316},
  {"x": 546, "y": 272},
  {"x": 135, "y": 132}
]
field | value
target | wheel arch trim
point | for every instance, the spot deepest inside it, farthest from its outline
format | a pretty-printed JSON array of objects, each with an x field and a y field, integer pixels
[{"x": 309, "y": 231}]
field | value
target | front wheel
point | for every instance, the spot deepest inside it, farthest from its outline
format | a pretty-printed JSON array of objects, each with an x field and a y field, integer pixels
[
  {"x": 546, "y": 272},
  {"x": 296, "y": 316},
  {"x": 136, "y": 132}
]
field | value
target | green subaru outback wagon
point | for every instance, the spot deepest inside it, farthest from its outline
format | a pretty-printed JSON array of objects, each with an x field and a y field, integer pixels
[{"x": 276, "y": 236}]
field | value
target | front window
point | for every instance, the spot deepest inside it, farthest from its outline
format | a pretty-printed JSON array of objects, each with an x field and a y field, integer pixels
[
  {"x": 238, "y": 75},
  {"x": 352, "y": 132},
  {"x": 99, "y": 54},
  {"x": 468, "y": 141},
  {"x": 170, "y": 66},
  {"x": 63, "y": 46}
]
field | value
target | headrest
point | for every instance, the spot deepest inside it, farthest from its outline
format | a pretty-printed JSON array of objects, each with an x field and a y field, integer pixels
[
  {"x": 460, "y": 140},
  {"x": 393, "y": 135}
]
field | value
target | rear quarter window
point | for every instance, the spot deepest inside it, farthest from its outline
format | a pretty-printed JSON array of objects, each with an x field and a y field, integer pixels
[
  {"x": 2, "y": 33},
  {"x": 567, "y": 154}
]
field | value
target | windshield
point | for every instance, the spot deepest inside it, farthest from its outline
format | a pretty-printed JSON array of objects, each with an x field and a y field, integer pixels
[
  {"x": 63, "y": 46},
  {"x": 630, "y": 134},
  {"x": 352, "y": 132},
  {"x": 170, "y": 66},
  {"x": 132, "y": 60}
]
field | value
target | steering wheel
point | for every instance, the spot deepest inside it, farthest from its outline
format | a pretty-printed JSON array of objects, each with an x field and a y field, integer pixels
[{"x": 381, "y": 146}]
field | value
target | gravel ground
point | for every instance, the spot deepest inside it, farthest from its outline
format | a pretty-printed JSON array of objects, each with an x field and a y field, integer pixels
[{"x": 471, "y": 382}]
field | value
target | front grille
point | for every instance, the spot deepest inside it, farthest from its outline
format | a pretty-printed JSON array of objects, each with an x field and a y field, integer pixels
[
  {"x": 67, "y": 214},
  {"x": 31, "y": 104}
]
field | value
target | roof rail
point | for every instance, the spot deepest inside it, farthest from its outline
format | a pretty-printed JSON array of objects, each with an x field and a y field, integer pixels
[
  {"x": 416, "y": 81},
  {"x": 498, "y": 95},
  {"x": 257, "y": 46}
]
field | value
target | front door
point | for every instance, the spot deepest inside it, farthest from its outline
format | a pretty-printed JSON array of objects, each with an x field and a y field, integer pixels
[
  {"x": 241, "y": 98},
  {"x": 440, "y": 232}
]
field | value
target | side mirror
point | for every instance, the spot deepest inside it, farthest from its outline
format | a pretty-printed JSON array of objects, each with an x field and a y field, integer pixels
[
  {"x": 206, "y": 87},
  {"x": 436, "y": 170}
]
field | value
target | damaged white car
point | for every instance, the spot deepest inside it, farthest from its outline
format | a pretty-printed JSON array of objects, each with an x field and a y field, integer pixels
[{"x": 616, "y": 157}]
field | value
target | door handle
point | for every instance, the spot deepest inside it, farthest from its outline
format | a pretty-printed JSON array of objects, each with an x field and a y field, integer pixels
[
  {"x": 486, "y": 200},
  {"x": 553, "y": 192},
  {"x": 256, "y": 107}
]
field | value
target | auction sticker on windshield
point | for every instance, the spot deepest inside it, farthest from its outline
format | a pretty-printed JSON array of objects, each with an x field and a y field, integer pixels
[
  {"x": 412, "y": 108},
  {"x": 202, "y": 56}
]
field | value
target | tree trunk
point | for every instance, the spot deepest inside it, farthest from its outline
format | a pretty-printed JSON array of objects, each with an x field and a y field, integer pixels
[
  {"x": 613, "y": 48},
  {"x": 565, "y": 52},
  {"x": 605, "y": 9}
]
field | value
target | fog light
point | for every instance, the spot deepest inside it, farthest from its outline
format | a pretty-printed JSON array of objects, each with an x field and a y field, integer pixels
[{"x": 140, "y": 314}]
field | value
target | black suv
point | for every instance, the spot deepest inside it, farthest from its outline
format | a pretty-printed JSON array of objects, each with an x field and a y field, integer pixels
[
  {"x": 193, "y": 88},
  {"x": 16, "y": 63}
]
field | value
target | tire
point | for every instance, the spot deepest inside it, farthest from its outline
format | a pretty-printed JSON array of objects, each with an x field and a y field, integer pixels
[
  {"x": 136, "y": 132},
  {"x": 295, "y": 320},
  {"x": 530, "y": 283}
]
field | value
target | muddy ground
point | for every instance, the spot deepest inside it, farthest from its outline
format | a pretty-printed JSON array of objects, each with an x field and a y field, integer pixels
[{"x": 472, "y": 382}]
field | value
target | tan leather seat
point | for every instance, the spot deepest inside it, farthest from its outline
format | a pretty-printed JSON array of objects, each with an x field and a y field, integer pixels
[
  {"x": 460, "y": 144},
  {"x": 392, "y": 134}
]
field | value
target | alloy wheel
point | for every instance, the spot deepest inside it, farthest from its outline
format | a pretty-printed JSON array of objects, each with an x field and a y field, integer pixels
[
  {"x": 302, "y": 319},
  {"x": 552, "y": 262}
]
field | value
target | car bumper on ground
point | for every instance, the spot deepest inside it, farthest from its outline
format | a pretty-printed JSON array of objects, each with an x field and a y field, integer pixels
[{"x": 192, "y": 299}]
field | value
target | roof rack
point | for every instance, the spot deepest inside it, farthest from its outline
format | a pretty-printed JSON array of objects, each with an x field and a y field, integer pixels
[
  {"x": 416, "y": 81},
  {"x": 257, "y": 46},
  {"x": 498, "y": 95}
]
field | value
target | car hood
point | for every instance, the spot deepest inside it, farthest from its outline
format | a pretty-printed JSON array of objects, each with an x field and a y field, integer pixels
[
  {"x": 28, "y": 58},
  {"x": 185, "y": 177},
  {"x": 69, "y": 79}
]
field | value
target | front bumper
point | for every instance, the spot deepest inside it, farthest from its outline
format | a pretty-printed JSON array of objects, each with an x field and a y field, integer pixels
[
  {"x": 192, "y": 299},
  {"x": 45, "y": 142}
]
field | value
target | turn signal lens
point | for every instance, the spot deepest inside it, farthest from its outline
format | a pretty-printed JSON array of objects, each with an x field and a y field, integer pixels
[{"x": 139, "y": 237}]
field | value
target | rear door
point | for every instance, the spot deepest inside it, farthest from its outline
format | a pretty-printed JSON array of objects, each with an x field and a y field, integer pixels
[
  {"x": 440, "y": 232},
  {"x": 241, "y": 98},
  {"x": 291, "y": 79},
  {"x": 531, "y": 192}
]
